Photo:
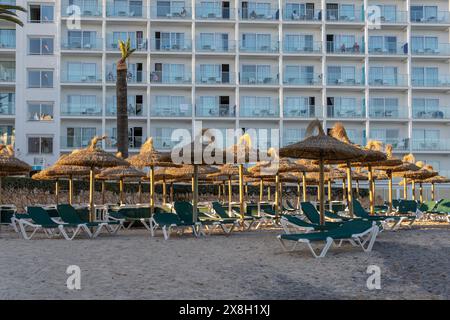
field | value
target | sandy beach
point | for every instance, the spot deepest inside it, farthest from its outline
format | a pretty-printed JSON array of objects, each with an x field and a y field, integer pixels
[{"x": 246, "y": 265}]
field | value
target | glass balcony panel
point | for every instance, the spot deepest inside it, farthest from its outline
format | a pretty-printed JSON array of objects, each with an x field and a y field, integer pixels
[
  {"x": 346, "y": 111},
  {"x": 7, "y": 39},
  {"x": 215, "y": 45},
  {"x": 131, "y": 9},
  {"x": 259, "y": 11},
  {"x": 79, "y": 109},
  {"x": 174, "y": 44},
  {"x": 298, "y": 12},
  {"x": 261, "y": 47},
  {"x": 175, "y": 10},
  {"x": 214, "y": 11},
  {"x": 214, "y": 78},
  {"x": 84, "y": 8},
  {"x": 388, "y": 112},
  {"x": 81, "y": 43},
  {"x": 170, "y": 77},
  {"x": 299, "y": 110},
  {"x": 171, "y": 110},
  {"x": 296, "y": 45},
  {"x": 430, "y": 145},
  {"x": 132, "y": 76},
  {"x": 215, "y": 110},
  {"x": 438, "y": 112}
]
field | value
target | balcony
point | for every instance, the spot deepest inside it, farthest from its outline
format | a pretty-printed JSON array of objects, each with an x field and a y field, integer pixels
[
  {"x": 172, "y": 12},
  {"x": 260, "y": 111},
  {"x": 392, "y": 112},
  {"x": 269, "y": 47},
  {"x": 435, "y": 81},
  {"x": 214, "y": 79},
  {"x": 85, "y": 44},
  {"x": 399, "y": 80},
  {"x": 125, "y": 11},
  {"x": 430, "y": 145},
  {"x": 216, "y": 12},
  {"x": 248, "y": 14},
  {"x": 301, "y": 111},
  {"x": 134, "y": 142},
  {"x": 346, "y": 112},
  {"x": 385, "y": 50},
  {"x": 133, "y": 77},
  {"x": 303, "y": 15},
  {"x": 76, "y": 109},
  {"x": 302, "y": 79},
  {"x": 160, "y": 77},
  {"x": 292, "y": 136},
  {"x": 7, "y": 39},
  {"x": 398, "y": 144},
  {"x": 112, "y": 43},
  {"x": 164, "y": 143},
  {"x": 393, "y": 17},
  {"x": 252, "y": 78},
  {"x": 345, "y": 79},
  {"x": 7, "y": 74},
  {"x": 302, "y": 47},
  {"x": 215, "y": 110},
  {"x": 442, "y": 49},
  {"x": 429, "y": 113},
  {"x": 72, "y": 142},
  {"x": 87, "y": 78},
  {"x": 134, "y": 109},
  {"x": 336, "y": 15},
  {"x": 217, "y": 45},
  {"x": 171, "y": 110},
  {"x": 178, "y": 45},
  {"x": 336, "y": 47},
  {"x": 88, "y": 9},
  {"x": 436, "y": 18},
  {"x": 7, "y": 109}
]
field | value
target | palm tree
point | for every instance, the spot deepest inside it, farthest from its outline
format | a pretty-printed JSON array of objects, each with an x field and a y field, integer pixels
[
  {"x": 7, "y": 13},
  {"x": 121, "y": 93}
]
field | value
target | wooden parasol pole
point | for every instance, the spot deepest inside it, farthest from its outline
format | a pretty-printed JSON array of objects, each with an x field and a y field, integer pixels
[
  {"x": 405, "y": 189},
  {"x": 241, "y": 189},
  {"x": 164, "y": 193},
  {"x": 321, "y": 192},
  {"x": 413, "y": 185},
  {"x": 304, "y": 186},
  {"x": 151, "y": 174},
  {"x": 371, "y": 200},
  {"x": 349, "y": 190},
  {"x": 195, "y": 198},
  {"x": 57, "y": 191},
  {"x": 91, "y": 195},
  {"x": 433, "y": 195},
  {"x": 299, "y": 192},
  {"x": 121, "y": 190},
  {"x": 261, "y": 189},
  {"x": 103, "y": 191},
  {"x": 230, "y": 196},
  {"x": 389, "y": 173},
  {"x": 420, "y": 192},
  {"x": 140, "y": 191},
  {"x": 70, "y": 189}
]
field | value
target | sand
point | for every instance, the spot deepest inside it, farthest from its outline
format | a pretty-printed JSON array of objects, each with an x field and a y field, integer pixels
[{"x": 414, "y": 264}]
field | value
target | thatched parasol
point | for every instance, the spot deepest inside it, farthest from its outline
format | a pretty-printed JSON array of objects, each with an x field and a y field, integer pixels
[
  {"x": 321, "y": 147},
  {"x": 120, "y": 173},
  {"x": 229, "y": 171},
  {"x": 58, "y": 170},
  {"x": 44, "y": 175},
  {"x": 92, "y": 157},
  {"x": 433, "y": 181},
  {"x": 401, "y": 171},
  {"x": 161, "y": 174},
  {"x": 9, "y": 164},
  {"x": 426, "y": 171},
  {"x": 151, "y": 158}
]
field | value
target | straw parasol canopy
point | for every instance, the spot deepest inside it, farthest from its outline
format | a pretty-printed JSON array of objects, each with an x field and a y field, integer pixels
[
  {"x": 9, "y": 164},
  {"x": 425, "y": 172},
  {"x": 323, "y": 148},
  {"x": 92, "y": 157},
  {"x": 149, "y": 157},
  {"x": 433, "y": 181},
  {"x": 407, "y": 166}
]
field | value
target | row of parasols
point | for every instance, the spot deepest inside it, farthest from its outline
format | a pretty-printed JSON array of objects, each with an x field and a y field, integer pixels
[{"x": 319, "y": 158}]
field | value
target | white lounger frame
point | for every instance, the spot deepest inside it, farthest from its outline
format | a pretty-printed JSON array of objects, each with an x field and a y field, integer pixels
[
  {"x": 197, "y": 229},
  {"x": 365, "y": 240},
  {"x": 60, "y": 229}
]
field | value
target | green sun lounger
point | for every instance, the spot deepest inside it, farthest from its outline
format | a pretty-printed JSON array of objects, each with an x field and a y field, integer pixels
[
  {"x": 441, "y": 211},
  {"x": 168, "y": 221},
  {"x": 357, "y": 232},
  {"x": 38, "y": 219},
  {"x": 293, "y": 224},
  {"x": 389, "y": 222},
  {"x": 69, "y": 215},
  {"x": 314, "y": 216},
  {"x": 132, "y": 215},
  {"x": 247, "y": 221}
]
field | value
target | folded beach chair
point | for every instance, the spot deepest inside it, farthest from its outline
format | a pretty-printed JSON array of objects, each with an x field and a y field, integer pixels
[
  {"x": 168, "y": 221},
  {"x": 184, "y": 210},
  {"x": 388, "y": 222},
  {"x": 313, "y": 215},
  {"x": 40, "y": 220},
  {"x": 69, "y": 214},
  {"x": 357, "y": 232}
]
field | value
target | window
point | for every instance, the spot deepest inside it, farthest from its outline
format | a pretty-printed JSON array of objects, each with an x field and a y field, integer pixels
[
  {"x": 425, "y": 76},
  {"x": 82, "y": 39},
  {"x": 341, "y": 74},
  {"x": 7, "y": 103},
  {"x": 81, "y": 72},
  {"x": 424, "y": 13},
  {"x": 7, "y": 38},
  {"x": 256, "y": 42},
  {"x": 79, "y": 137},
  {"x": 40, "y": 145},
  {"x": 40, "y": 78},
  {"x": 40, "y": 111},
  {"x": 40, "y": 46},
  {"x": 423, "y": 44},
  {"x": 297, "y": 42},
  {"x": 299, "y": 74},
  {"x": 41, "y": 13}
]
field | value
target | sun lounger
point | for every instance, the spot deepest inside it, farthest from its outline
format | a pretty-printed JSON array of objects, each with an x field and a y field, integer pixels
[
  {"x": 313, "y": 215},
  {"x": 184, "y": 210},
  {"x": 441, "y": 211},
  {"x": 132, "y": 215},
  {"x": 168, "y": 221},
  {"x": 357, "y": 232},
  {"x": 294, "y": 224},
  {"x": 69, "y": 214},
  {"x": 392, "y": 222},
  {"x": 40, "y": 220}
]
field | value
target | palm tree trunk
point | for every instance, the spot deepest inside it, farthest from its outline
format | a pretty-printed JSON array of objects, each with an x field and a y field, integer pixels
[{"x": 122, "y": 112}]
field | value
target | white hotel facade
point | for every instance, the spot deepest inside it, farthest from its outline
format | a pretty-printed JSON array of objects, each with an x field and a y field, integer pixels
[{"x": 231, "y": 64}]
